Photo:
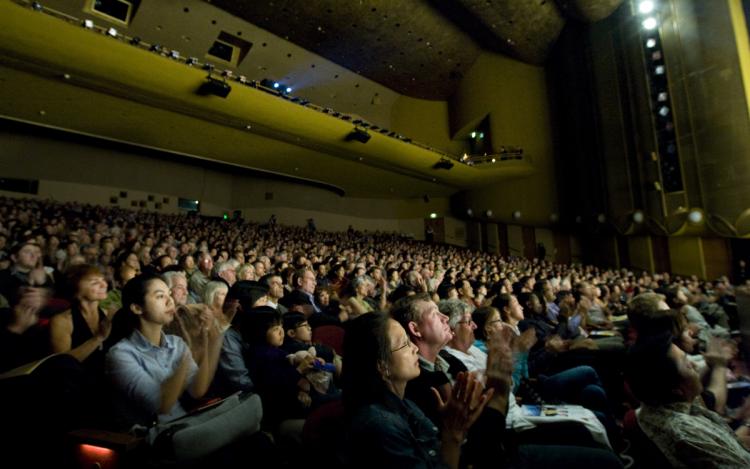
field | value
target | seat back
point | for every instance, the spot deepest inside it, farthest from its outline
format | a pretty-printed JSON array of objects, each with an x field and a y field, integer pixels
[{"x": 330, "y": 335}]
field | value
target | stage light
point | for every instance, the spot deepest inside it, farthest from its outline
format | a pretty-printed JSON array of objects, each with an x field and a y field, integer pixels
[
  {"x": 473, "y": 135},
  {"x": 88, "y": 24},
  {"x": 443, "y": 164},
  {"x": 651, "y": 43},
  {"x": 659, "y": 70},
  {"x": 662, "y": 97},
  {"x": 517, "y": 215},
  {"x": 276, "y": 86},
  {"x": 112, "y": 32},
  {"x": 288, "y": 89},
  {"x": 646, "y": 7},
  {"x": 650, "y": 23},
  {"x": 36, "y": 6},
  {"x": 601, "y": 218},
  {"x": 638, "y": 216},
  {"x": 664, "y": 111},
  {"x": 358, "y": 135},
  {"x": 215, "y": 87},
  {"x": 174, "y": 54},
  {"x": 191, "y": 61},
  {"x": 488, "y": 212},
  {"x": 433, "y": 215},
  {"x": 494, "y": 160},
  {"x": 470, "y": 212}
]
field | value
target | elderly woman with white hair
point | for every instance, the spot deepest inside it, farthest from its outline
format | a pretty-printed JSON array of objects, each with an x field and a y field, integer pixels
[{"x": 214, "y": 295}]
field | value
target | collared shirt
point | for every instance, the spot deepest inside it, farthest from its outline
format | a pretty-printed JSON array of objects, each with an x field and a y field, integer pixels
[
  {"x": 312, "y": 300},
  {"x": 553, "y": 311},
  {"x": 474, "y": 359},
  {"x": 137, "y": 369},
  {"x": 689, "y": 435},
  {"x": 232, "y": 374},
  {"x": 394, "y": 434}
]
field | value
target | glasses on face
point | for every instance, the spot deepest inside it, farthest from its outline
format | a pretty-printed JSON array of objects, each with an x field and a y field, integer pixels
[{"x": 408, "y": 343}]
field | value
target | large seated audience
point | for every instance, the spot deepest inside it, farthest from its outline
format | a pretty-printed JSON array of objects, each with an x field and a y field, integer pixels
[{"x": 366, "y": 349}]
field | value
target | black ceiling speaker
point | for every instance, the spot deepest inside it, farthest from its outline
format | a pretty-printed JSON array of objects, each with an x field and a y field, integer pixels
[
  {"x": 443, "y": 164},
  {"x": 358, "y": 135},
  {"x": 214, "y": 87}
]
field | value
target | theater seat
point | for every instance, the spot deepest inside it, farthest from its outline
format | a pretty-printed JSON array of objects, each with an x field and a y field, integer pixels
[
  {"x": 323, "y": 436},
  {"x": 332, "y": 336},
  {"x": 644, "y": 451}
]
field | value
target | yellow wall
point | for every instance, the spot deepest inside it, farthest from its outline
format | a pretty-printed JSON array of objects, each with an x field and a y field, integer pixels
[
  {"x": 546, "y": 237},
  {"x": 515, "y": 96},
  {"x": 515, "y": 240},
  {"x": 424, "y": 121},
  {"x": 641, "y": 253},
  {"x": 686, "y": 256},
  {"x": 456, "y": 232}
]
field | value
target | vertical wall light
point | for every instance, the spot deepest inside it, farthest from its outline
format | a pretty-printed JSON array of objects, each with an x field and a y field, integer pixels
[{"x": 661, "y": 103}]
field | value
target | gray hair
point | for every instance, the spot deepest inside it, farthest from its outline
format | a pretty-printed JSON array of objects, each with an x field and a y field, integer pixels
[
  {"x": 455, "y": 310},
  {"x": 209, "y": 291},
  {"x": 170, "y": 276},
  {"x": 362, "y": 279}
]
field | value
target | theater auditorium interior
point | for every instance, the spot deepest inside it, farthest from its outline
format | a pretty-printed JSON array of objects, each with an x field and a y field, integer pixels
[{"x": 372, "y": 233}]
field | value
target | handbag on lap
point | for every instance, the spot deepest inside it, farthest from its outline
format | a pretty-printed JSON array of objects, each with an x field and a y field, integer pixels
[{"x": 208, "y": 429}]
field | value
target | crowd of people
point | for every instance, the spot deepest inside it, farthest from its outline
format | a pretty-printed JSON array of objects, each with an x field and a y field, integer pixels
[{"x": 450, "y": 357}]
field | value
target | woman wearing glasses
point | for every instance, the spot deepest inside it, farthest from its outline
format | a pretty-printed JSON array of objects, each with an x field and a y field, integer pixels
[{"x": 387, "y": 430}]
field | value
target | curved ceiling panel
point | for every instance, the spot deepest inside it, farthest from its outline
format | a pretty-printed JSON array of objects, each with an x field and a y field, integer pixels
[
  {"x": 409, "y": 46},
  {"x": 589, "y": 10}
]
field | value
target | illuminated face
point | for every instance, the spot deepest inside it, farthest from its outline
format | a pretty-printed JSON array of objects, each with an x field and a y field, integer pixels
[
  {"x": 433, "y": 325},
  {"x": 92, "y": 288},
  {"x": 404, "y": 363}
]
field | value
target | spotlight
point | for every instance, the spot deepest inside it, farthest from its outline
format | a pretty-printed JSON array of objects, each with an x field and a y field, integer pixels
[
  {"x": 465, "y": 157},
  {"x": 695, "y": 216},
  {"x": 650, "y": 23},
  {"x": 473, "y": 135},
  {"x": 470, "y": 212},
  {"x": 646, "y": 7},
  {"x": 433, "y": 215},
  {"x": 638, "y": 216},
  {"x": 659, "y": 70},
  {"x": 215, "y": 87},
  {"x": 601, "y": 218},
  {"x": 88, "y": 24},
  {"x": 36, "y": 6},
  {"x": 157, "y": 48},
  {"x": 358, "y": 135},
  {"x": 517, "y": 215},
  {"x": 662, "y": 97},
  {"x": 276, "y": 86},
  {"x": 112, "y": 32},
  {"x": 488, "y": 212},
  {"x": 494, "y": 160},
  {"x": 288, "y": 89},
  {"x": 191, "y": 61},
  {"x": 174, "y": 54},
  {"x": 242, "y": 79},
  {"x": 664, "y": 111},
  {"x": 651, "y": 43}
]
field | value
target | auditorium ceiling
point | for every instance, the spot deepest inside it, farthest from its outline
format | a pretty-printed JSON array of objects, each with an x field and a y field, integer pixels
[
  {"x": 356, "y": 58},
  {"x": 419, "y": 48}
]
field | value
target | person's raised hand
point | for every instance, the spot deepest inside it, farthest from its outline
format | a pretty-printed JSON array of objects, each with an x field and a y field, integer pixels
[{"x": 464, "y": 405}]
